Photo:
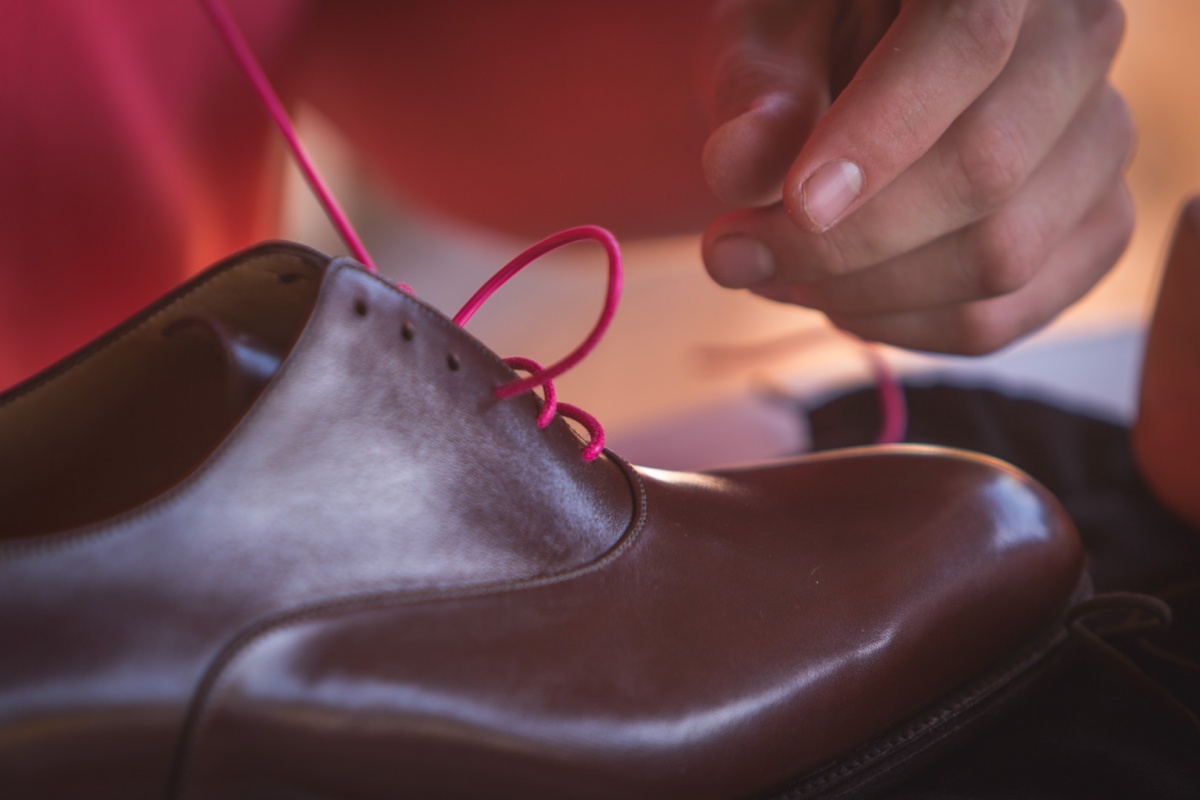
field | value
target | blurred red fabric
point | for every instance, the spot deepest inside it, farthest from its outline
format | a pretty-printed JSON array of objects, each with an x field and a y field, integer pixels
[{"x": 133, "y": 153}]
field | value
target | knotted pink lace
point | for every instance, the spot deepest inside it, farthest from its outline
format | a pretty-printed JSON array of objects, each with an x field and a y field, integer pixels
[
  {"x": 551, "y": 406},
  {"x": 538, "y": 376}
]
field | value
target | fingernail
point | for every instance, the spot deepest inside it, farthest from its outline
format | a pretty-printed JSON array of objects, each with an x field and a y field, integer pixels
[
  {"x": 830, "y": 190},
  {"x": 738, "y": 261}
]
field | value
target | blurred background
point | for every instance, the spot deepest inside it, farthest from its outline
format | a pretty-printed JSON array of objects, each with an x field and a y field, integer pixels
[{"x": 692, "y": 375}]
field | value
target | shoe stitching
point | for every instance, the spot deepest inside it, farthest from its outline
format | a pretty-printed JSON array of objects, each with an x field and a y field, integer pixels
[
  {"x": 934, "y": 719},
  {"x": 992, "y": 685},
  {"x": 220, "y": 667},
  {"x": 995, "y": 684}
]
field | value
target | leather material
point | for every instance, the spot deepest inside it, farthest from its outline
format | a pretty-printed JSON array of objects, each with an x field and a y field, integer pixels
[
  {"x": 360, "y": 469},
  {"x": 377, "y": 580}
]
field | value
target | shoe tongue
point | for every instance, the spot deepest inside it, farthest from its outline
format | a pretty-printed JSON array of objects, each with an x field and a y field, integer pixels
[{"x": 249, "y": 360}]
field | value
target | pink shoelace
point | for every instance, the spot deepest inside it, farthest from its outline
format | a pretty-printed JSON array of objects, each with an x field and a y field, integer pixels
[
  {"x": 893, "y": 412},
  {"x": 543, "y": 377},
  {"x": 891, "y": 396},
  {"x": 538, "y": 376}
]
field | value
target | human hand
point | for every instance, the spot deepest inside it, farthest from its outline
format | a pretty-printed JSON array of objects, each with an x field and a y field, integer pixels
[{"x": 933, "y": 174}]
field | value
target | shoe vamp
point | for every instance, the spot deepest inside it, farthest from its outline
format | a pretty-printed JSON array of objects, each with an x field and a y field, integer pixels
[{"x": 754, "y": 627}]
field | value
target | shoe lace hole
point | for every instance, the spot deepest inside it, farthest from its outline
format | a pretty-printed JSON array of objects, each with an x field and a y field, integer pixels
[
  {"x": 360, "y": 307},
  {"x": 407, "y": 332},
  {"x": 452, "y": 362}
]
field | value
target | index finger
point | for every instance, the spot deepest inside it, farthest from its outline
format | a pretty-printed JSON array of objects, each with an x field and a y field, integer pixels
[{"x": 934, "y": 61}]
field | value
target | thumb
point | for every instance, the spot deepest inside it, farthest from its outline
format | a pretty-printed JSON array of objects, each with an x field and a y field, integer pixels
[{"x": 765, "y": 85}]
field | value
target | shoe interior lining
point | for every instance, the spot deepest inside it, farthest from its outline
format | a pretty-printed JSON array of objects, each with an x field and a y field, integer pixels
[{"x": 130, "y": 421}]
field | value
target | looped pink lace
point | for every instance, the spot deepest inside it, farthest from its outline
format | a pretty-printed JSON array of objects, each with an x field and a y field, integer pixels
[
  {"x": 549, "y": 399},
  {"x": 540, "y": 376},
  {"x": 611, "y": 298}
]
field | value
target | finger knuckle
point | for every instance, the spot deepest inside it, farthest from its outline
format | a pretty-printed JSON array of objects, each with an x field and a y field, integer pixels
[
  {"x": 981, "y": 328},
  {"x": 992, "y": 162},
  {"x": 989, "y": 28},
  {"x": 1008, "y": 250},
  {"x": 1119, "y": 223},
  {"x": 1121, "y": 123},
  {"x": 838, "y": 254},
  {"x": 740, "y": 79},
  {"x": 1104, "y": 22},
  {"x": 844, "y": 249}
]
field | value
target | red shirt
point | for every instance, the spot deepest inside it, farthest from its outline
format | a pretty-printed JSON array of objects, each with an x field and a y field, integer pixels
[{"x": 134, "y": 153}]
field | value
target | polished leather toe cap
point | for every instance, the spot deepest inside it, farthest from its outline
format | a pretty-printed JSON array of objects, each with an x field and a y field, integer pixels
[{"x": 749, "y": 628}]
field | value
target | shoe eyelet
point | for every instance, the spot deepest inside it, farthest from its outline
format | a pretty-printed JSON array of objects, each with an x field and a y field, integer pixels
[
  {"x": 407, "y": 331},
  {"x": 360, "y": 307},
  {"x": 453, "y": 363}
]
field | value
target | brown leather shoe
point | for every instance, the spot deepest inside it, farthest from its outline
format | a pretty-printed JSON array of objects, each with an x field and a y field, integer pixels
[{"x": 373, "y": 579}]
